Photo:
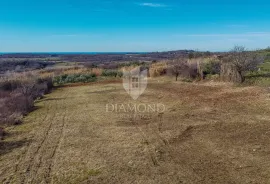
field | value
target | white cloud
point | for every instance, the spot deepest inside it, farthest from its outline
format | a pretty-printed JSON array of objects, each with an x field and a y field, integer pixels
[{"x": 153, "y": 5}]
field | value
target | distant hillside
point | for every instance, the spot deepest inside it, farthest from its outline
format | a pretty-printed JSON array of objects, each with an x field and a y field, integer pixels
[
  {"x": 99, "y": 57},
  {"x": 30, "y": 61}
]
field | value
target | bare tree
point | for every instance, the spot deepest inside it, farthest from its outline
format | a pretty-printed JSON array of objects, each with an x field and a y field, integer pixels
[
  {"x": 244, "y": 60},
  {"x": 178, "y": 67}
]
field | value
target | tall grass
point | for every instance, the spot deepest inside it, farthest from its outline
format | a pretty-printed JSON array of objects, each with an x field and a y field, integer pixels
[{"x": 158, "y": 69}]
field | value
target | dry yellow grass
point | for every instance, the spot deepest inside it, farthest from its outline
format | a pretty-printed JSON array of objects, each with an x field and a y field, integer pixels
[
  {"x": 209, "y": 133},
  {"x": 63, "y": 71},
  {"x": 128, "y": 68},
  {"x": 97, "y": 71},
  {"x": 158, "y": 69}
]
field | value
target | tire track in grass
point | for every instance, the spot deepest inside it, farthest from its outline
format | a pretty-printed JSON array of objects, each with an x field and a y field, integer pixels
[
  {"x": 48, "y": 178},
  {"x": 26, "y": 166},
  {"x": 154, "y": 152},
  {"x": 44, "y": 166},
  {"x": 150, "y": 152},
  {"x": 36, "y": 161},
  {"x": 31, "y": 167},
  {"x": 32, "y": 162},
  {"x": 19, "y": 172}
]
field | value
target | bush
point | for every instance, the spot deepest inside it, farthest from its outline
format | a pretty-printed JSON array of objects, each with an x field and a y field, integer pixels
[
  {"x": 120, "y": 74},
  {"x": 212, "y": 77},
  {"x": 17, "y": 96},
  {"x": 14, "y": 106},
  {"x": 47, "y": 80},
  {"x": 9, "y": 85},
  {"x": 110, "y": 73},
  {"x": 211, "y": 67},
  {"x": 74, "y": 78}
]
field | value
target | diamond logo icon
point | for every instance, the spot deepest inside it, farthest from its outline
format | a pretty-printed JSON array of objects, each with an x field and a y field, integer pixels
[{"x": 135, "y": 82}]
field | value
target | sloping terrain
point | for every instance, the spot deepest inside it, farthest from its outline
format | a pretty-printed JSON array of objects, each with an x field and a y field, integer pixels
[{"x": 209, "y": 133}]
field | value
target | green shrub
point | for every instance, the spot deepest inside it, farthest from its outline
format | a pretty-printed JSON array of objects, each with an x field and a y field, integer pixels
[
  {"x": 120, "y": 74},
  {"x": 109, "y": 73},
  {"x": 212, "y": 77},
  {"x": 211, "y": 67},
  {"x": 74, "y": 78}
]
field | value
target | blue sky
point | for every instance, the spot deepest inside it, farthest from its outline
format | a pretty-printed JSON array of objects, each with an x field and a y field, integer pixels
[{"x": 134, "y": 25}]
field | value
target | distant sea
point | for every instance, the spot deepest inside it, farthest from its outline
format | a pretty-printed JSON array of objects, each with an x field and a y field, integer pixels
[{"x": 72, "y": 53}]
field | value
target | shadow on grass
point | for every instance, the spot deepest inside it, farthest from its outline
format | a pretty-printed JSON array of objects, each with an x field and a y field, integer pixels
[
  {"x": 8, "y": 146},
  {"x": 51, "y": 99}
]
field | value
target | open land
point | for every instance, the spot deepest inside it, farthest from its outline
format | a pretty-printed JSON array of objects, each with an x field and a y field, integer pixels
[{"x": 209, "y": 133}]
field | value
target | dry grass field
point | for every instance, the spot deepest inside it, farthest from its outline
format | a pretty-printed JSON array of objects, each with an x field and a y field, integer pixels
[{"x": 209, "y": 133}]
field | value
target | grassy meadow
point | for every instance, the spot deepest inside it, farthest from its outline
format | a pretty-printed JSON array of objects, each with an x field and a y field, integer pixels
[{"x": 209, "y": 133}]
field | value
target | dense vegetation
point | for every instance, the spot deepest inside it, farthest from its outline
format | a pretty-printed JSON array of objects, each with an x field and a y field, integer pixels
[
  {"x": 74, "y": 78},
  {"x": 23, "y": 65},
  {"x": 17, "y": 95}
]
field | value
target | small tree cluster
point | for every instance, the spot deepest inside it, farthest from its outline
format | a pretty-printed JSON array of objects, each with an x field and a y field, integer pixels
[
  {"x": 181, "y": 67},
  {"x": 243, "y": 60}
]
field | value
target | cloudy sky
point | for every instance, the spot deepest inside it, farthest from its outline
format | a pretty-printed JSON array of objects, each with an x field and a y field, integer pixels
[{"x": 131, "y": 25}]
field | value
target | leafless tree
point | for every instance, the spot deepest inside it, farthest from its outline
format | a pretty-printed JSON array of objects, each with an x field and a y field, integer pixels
[
  {"x": 244, "y": 60},
  {"x": 178, "y": 67}
]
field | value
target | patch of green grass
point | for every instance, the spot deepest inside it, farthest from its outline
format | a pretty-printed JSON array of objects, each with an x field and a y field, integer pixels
[
  {"x": 260, "y": 81},
  {"x": 186, "y": 80},
  {"x": 265, "y": 67},
  {"x": 261, "y": 77},
  {"x": 212, "y": 77}
]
